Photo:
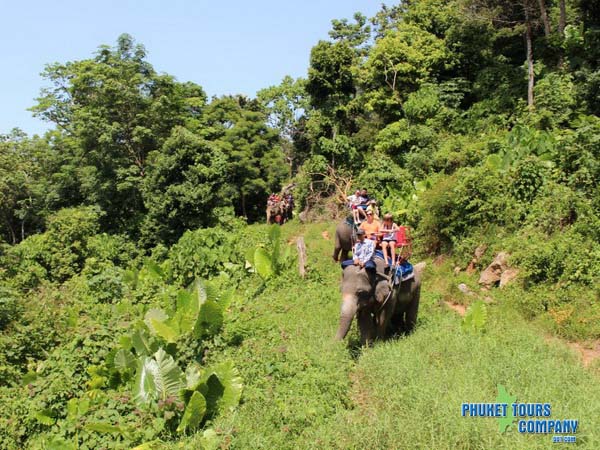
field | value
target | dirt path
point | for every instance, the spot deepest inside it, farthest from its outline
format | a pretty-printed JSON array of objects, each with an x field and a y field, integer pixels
[{"x": 589, "y": 351}]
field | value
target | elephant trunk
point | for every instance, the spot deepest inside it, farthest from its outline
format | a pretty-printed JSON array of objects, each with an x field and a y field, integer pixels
[{"x": 349, "y": 308}]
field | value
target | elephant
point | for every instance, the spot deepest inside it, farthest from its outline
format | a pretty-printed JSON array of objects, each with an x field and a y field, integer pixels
[
  {"x": 278, "y": 212},
  {"x": 275, "y": 212},
  {"x": 344, "y": 233},
  {"x": 365, "y": 295}
]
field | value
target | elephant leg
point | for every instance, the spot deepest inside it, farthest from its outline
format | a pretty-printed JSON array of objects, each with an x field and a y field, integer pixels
[
  {"x": 412, "y": 312},
  {"x": 337, "y": 249},
  {"x": 336, "y": 254}
]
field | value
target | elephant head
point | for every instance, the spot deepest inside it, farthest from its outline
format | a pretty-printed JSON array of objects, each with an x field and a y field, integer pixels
[
  {"x": 359, "y": 287},
  {"x": 379, "y": 308}
]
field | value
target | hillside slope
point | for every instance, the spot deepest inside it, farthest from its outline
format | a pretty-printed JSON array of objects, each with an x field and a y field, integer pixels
[{"x": 304, "y": 390}]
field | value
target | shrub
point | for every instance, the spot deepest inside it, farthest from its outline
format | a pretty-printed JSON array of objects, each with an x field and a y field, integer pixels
[
  {"x": 57, "y": 254},
  {"x": 564, "y": 257},
  {"x": 205, "y": 252},
  {"x": 460, "y": 203}
]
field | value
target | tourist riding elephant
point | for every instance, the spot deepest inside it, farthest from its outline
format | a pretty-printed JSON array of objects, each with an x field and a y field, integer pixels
[
  {"x": 365, "y": 295},
  {"x": 343, "y": 241}
]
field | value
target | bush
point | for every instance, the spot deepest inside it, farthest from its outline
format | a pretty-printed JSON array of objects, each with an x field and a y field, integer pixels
[
  {"x": 205, "y": 252},
  {"x": 57, "y": 254},
  {"x": 10, "y": 307},
  {"x": 457, "y": 204},
  {"x": 565, "y": 257}
]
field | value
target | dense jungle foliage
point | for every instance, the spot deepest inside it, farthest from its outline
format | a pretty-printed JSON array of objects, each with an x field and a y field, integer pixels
[{"x": 125, "y": 249}]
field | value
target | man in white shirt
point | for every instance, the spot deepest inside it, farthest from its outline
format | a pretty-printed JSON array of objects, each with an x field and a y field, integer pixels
[{"x": 364, "y": 249}]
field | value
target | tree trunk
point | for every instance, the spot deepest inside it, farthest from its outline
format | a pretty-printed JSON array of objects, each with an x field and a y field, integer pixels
[
  {"x": 531, "y": 74},
  {"x": 544, "y": 15},
  {"x": 562, "y": 21}
]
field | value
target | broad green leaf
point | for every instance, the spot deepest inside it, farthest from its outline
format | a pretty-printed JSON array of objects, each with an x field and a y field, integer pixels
[
  {"x": 144, "y": 388},
  {"x": 222, "y": 387},
  {"x": 157, "y": 378},
  {"x": 45, "y": 417},
  {"x": 199, "y": 289},
  {"x": 165, "y": 331},
  {"x": 141, "y": 343},
  {"x": 103, "y": 427},
  {"x": 263, "y": 263},
  {"x": 225, "y": 298},
  {"x": 210, "y": 319},
  {"x": 155, "y": 314},
  {"x": 124, "y": 360},
  {"x": 125, "y": 342},
  {"x": 187, "y": 302},
  {"x": 193, "y": 375},
  {"x": 229, "y": 377},
  {"x": 194, "y": 412},
  {"x": 212, "y": 291},
  {"x": 183, "y": 321}
]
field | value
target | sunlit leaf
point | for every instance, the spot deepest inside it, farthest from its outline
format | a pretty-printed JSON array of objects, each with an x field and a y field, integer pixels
[
  {"x": 157, "y": 378},
  {"x": 263, "y": 263},
  {"x": 194, "y": 412}
]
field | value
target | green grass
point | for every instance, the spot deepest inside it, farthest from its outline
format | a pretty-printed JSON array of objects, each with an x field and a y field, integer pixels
[{"x": 303, "y": 390}]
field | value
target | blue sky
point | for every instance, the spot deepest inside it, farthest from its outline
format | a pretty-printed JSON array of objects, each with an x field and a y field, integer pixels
[{"x": 227, "y": 47}]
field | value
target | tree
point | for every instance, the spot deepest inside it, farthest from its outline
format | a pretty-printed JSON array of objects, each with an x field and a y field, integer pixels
[
  {"x": 356, "y": 35},
  {"x": 286, "y": 104},
  {"x": 25, "y": 193},
  {"x": 522, "y": 16},
  {"x": 185, "y": 187},
  {"x": 118, "y": 110},
  {"x": 398, "y": 64},
  {"x": 254, "y": 164}
]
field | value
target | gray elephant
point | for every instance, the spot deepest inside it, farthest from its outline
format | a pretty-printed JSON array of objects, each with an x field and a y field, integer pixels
[
  {"x": 275, "y": 212},
  {"x": 344, "y": 233},
  {"x": 365, "y": 295}
]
